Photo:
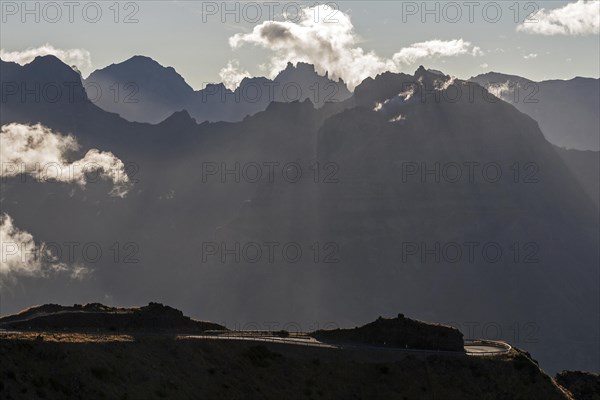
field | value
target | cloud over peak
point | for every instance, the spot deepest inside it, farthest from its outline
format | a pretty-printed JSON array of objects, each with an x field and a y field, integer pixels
[
  {"x": 80, "y": 58},
  {"x": 333, "y": 46},
  {"x": 231, "y": 75}
]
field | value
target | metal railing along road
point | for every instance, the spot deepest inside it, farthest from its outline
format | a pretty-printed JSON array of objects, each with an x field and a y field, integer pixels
[{"x": 503, "y": 348}]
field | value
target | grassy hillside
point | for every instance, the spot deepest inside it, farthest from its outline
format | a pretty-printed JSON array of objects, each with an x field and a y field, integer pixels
[{"x": 79, "y": 366}]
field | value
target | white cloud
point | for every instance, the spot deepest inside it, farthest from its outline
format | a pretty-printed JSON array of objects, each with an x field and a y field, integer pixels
[
  {"x": 484, "y": 65},
  {"x": 504, "y": 90},
  {"x": 444, "y": 84},
  {"x": 580, "y": 18},
  {"x": 232, "y": 75},
  {"x": 20, "y": 255},
  {"x": 530, "y": 56},
  {"x": 333, "y": 47},
  {"x": 38, "y": 151},
  {"x": 434, "y": 48},
  {"x": 78, "y": 57}
]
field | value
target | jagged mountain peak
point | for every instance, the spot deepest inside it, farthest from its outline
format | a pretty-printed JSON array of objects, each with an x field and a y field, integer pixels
[
  {"x": 307, "y": 71},
  {"x": 423, "y": 74}
]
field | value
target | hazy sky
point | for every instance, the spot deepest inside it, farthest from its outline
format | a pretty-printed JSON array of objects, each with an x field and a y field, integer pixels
[{"x": 360, "y": 38}]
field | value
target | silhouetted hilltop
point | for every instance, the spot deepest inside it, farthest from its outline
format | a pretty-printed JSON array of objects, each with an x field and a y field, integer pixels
[
  {"x": 399, "y": 332},
  {"x": 154, "y": 317}
]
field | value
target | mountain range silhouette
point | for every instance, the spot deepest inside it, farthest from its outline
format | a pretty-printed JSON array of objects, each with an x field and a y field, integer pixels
[{"x": 378, "y": 194}]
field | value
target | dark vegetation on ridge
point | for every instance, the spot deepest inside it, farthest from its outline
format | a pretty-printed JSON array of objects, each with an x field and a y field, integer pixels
[
  {"x": 582, "y": 385},
  {"x": 162, "y": 368},
  {"x": 398, "y": 332},
  {"x": 154, "y": 317}
]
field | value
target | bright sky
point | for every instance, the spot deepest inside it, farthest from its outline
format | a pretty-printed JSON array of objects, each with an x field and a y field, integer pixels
[{"x": 352, "y": 39}]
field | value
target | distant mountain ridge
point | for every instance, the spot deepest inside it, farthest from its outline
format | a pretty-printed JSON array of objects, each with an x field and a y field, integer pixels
[
  {"x": 140, "y": 89},
  {"x": 567, "y": 110}
]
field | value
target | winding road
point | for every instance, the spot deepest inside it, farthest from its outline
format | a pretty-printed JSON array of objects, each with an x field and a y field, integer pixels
[{"x": 473, "y": 347}]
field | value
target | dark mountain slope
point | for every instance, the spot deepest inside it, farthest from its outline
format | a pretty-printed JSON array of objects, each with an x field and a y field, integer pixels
[
  {"x": 567, "y": 111},
  {"x": 385, "y": 223}
]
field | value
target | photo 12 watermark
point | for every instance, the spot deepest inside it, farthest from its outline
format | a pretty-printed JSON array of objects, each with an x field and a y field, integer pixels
[
  {"x": 469, "y": 172},
  {"x": 269, "y": 172},
  {"x": 88, "y": 172},
  {"x": 452, "y": 12},
  {"x": 514, "y": 332},
  {"x": 253, "y": 12},
  {"x": 269, "y": 252},
  {"x": 52, "y": 12},
  {"x": 265, "y": 91},
  {"x": 90, "y": 252},
  {"x": 69, "y": 92},
  {"x": 469, "y": 252}
]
